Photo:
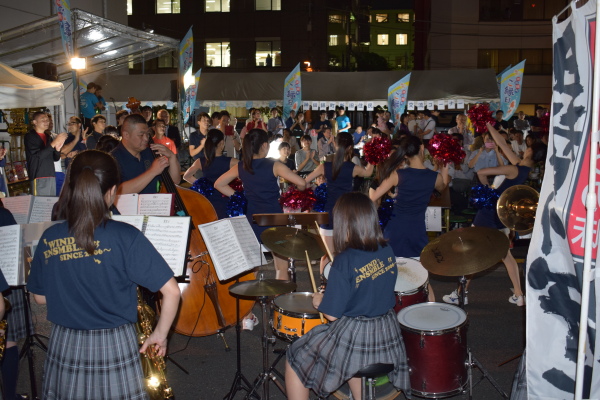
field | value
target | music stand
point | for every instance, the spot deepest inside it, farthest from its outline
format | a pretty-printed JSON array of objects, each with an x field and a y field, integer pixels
[{"x": 291, "y": 219}]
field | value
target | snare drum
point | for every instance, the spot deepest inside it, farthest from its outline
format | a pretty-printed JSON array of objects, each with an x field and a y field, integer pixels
[
  {"x": 294, "y": 315},
  {"x": 411, "y": 283},
  {"x": 435, "y": 336}
]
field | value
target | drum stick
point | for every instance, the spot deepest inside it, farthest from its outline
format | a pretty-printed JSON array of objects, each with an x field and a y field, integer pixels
[
  {"x": 312, "y": 281},
  {"x": 324, "y": 243}
]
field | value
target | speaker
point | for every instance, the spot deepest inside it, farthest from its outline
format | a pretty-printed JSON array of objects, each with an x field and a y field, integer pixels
[
  {"x": 45, "y": 70},
  {"x": 174, "y": 91}
]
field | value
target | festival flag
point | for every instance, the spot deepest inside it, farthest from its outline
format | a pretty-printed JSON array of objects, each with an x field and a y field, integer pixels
[
  {"x": 397, "y": 98},
  {"x": 82, "y": 86},
  {"x": 292, "y": 92},
  {"x": 511, "y": 85},
  {"x": 556, "y": 253},
  {"x": 186, "y": 57},
  {"x": 190, "y": 97},
  {"x": 63, "y": 10}
]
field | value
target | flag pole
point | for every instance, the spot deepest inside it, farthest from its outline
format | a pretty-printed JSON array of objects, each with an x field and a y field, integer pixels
[{"x": 590, "y": 202}]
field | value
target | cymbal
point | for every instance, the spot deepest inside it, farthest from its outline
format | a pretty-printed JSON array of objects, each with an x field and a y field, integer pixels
[
  {"x": 262, "y": 288},
  {"x": 292, "y": 242},
  {"x": 517, "y": 207},
  {"x": 465, "y": 251}
]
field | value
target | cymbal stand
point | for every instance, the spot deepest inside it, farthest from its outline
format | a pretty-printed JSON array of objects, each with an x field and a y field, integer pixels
[
  {"x": 239, "y": 382},
  {"x": 292, "y": 269},
  {"x": 268, "y": 374},
  {"x": 462, "y": 281},
  {"x": 30, "y": 341}
]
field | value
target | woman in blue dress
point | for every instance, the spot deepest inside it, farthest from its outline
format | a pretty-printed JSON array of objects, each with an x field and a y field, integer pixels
[
  {"x": 516, "y": 174},
  {"x": 414, "y": 187},
  {"x": 339, "y": 174},
  {"x": 260, "y": 176},
  {"x": 213, "y": 165}
]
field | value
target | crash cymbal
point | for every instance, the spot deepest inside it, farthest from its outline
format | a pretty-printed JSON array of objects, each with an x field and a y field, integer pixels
[
  {"x": 262, "y": 288},
  {"x": 292, "y": 243},
  {"x": 516, "y": 208},
  {"x": 464, "y": 251}
]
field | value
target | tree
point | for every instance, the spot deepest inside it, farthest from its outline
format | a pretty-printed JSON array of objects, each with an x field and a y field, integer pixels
[{"x": 370, "y": 62}]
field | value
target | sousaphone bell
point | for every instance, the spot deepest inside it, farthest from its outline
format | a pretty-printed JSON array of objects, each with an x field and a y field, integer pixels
[{"x": 516, "y": 208}]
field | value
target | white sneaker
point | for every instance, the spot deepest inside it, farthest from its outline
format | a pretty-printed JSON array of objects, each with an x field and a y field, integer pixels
[
  {"x": 452, "y": 298},
  {"x": 518, "y": 300},
  {"x": 249, "y": 323}
]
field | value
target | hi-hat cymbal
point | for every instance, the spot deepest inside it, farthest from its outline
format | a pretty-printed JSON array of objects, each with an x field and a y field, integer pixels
[
  {"x": 292, "y": 243},
  {"x": 517, "y": 207},
  {"x": 262, "y": 288},
  {"x": 465, "y": 251}
]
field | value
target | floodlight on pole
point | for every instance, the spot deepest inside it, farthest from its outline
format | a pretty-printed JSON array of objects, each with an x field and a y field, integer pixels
[{"x": 78, "y": 63}]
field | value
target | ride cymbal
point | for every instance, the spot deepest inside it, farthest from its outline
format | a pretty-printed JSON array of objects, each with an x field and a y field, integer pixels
[
  {"x": 292, "y": 243},
  {"x": 262, "y": 288},
  {"x": 464, "y": 251}
]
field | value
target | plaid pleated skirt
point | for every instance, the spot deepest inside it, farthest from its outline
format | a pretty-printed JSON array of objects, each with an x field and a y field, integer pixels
[
  {"x": 330, "y": 354},
  {"x": 15, "y": 318},
  {"x": 96, "y": 364}
]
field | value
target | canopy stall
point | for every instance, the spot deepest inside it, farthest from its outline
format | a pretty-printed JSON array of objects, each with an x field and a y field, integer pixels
[
  {"x": 19, "y": 90},
  {"x": 107, "y": 45}
]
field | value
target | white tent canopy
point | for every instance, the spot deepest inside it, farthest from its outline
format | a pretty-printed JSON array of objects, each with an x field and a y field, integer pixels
[{"x": 19, "y": 90}]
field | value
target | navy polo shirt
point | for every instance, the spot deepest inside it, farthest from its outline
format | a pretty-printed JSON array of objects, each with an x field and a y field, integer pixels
[
  {"x": 195, "y": 140},
  {"x": 131, "y": 167}
]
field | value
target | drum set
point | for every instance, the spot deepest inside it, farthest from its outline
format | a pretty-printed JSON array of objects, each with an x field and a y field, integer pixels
[{"x": 434, "y": 334}]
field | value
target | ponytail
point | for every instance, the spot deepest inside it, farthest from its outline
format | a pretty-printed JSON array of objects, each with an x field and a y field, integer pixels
[
  {"x": 409, "y": 146},
  {"x": 345, "y": 146},
  {"x": 213, "y": 139},
  {"x": 251, "y": 146}
]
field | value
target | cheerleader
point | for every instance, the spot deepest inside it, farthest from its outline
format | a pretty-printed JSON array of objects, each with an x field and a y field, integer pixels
[
  {"x": 86, "y": 270},
  {"x": 358, "y": 302}
]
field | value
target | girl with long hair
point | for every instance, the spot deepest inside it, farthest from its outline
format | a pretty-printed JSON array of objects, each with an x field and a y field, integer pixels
[
  {"x": 358, "y": 300},
  {"x": 260, "y": 176},
  {"x": 339, "y": 174},
  {"x": 213, "y": 165},
  {"x": 86, "y": 270}
]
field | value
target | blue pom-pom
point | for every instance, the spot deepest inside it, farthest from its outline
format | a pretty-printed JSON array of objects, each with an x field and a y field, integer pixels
[
  {"x": 385, "y": 212},
  {"x": 237, "y": 204},
  {"x": 483, "y": 196},
  {"x": 204, "y": 186},
  {"x": 321, "y": 196}
]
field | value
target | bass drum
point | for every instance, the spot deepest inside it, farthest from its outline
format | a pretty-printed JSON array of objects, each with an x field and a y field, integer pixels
[{"x": 383, "y": 390}]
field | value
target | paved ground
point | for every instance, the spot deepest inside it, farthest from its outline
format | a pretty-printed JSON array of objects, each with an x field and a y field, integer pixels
[{"x": 496, "y": 336}]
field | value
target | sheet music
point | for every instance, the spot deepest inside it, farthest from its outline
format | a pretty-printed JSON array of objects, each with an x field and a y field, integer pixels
[
  {"x": 224, "y": 249},
  {"x": 135, "y": 220},
  {"x": 10, "y": 249},
  {"x": 127, "y": 204},
  {"x": 433, "y": 219},
  {"x": 19, "y": 206},
  {"x": 41, "y": 209},
  {"x": 169, "y": 235},
  {"x": 155, "y": 204},
  {"x": 248, "y": 241}
]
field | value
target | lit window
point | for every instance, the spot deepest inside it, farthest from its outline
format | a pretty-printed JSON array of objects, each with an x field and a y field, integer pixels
[
  {"x": 333, "y": 40},
  {"x": 268, "y": 53},
  {"x": 217, "y": 6},
  {"x": 383, "y": 39},
  {"x": 401, "y": 38},
  {"x": 403, "y": 17},
  {"x": 381, "y": 18},
  {"x": 129, "y": 7},
  {"x": 268, "y": 5},
  {"x": 335, "y": 19},
  {"x": 167, "y": 6},
  {"x": 218, "y": 54}
]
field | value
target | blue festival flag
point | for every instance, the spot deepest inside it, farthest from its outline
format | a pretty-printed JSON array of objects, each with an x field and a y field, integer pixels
[
  {"x": 292, "y": 92},
  {"x": 190, "y": 96},
  {"x": 511, "y": 86},
  {"x": 397, "y": 97},
  {"x": 186, "y": 57},
  {"x": 63, "y": 10},
  {"x": 82, "y": 86}
]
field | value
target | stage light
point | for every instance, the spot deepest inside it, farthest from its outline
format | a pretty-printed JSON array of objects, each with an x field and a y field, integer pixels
[{"x": 78, "y": 63}]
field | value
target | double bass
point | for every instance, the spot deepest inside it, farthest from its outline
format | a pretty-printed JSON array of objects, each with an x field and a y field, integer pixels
[{"x": 206, "y": 305}]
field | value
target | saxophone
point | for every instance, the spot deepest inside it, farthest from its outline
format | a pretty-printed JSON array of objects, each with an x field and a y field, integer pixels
[
  {"x": 153, "y": 365},
  {"x": 3, "y": 328}
]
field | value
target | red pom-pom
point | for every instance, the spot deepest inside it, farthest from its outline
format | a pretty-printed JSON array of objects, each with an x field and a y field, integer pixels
[
  {"x": 377, "y": 150},
  {"x": 295, "y": 199},
  {"x": 480, "y": 115},
  {"x": 237, "y": 185},
  {"x": 444, "y": 148}
]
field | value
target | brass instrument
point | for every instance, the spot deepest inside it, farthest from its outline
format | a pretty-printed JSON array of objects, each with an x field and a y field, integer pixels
[
  {"x": 3, "y": 328},
  {"x": 516, "y": 208},
  {"x": 153, "y": 365}
]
